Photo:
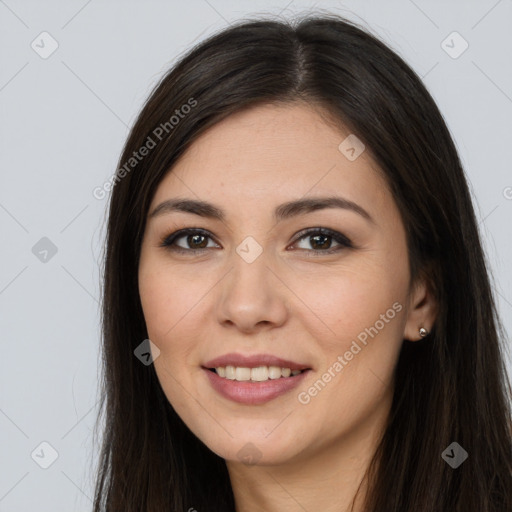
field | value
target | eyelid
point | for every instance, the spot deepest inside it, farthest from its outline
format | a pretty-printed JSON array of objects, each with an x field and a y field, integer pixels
[
  {"x": 335, "y": 235},
  {"x": 169, "y": 239}
]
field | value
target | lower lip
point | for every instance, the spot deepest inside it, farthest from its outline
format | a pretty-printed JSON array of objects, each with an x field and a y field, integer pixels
[{"x": 252, "y": 393}]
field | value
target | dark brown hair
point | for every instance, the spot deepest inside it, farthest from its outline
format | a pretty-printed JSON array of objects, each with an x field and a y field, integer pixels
[{"x": 452, "y": 386}]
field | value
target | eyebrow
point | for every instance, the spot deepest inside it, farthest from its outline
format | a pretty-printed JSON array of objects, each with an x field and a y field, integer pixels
[{"x": 282, "y": 212}]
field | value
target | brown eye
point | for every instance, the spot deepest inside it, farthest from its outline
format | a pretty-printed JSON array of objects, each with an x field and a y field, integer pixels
[
  {"x": 194, "y": 239},
  {"x": 320, "y": 240}
]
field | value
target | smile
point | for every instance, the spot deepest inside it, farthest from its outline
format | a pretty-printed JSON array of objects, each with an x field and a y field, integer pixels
[
  {"x": 253, "y": 379},
  {"x": 258, "y": 374},
  {"x": 253, "y": 392}
]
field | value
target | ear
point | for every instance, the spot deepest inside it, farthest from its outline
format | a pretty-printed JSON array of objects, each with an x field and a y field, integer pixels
[{"x": 421, "y": 311}]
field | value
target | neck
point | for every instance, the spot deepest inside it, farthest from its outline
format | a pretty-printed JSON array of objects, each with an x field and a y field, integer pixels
[{"x": 325, "y": 478}]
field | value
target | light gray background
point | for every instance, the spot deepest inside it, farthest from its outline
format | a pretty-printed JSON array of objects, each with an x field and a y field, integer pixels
[{"x": 63, "y": 122}]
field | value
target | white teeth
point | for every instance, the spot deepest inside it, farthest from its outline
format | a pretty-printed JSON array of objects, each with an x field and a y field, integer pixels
[
  {"x": 242, "y": 373},
  {"x": 258, "y": 374},
  {"x": 274, "y": 372},
  {"x": 230, "y": 372}
]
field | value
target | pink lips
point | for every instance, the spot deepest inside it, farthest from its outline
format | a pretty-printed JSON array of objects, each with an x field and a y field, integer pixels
[{"x": 248, "y": 392}]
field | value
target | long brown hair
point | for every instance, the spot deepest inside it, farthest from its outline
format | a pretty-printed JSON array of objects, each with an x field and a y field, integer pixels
[{"x": 452, "y": 386}]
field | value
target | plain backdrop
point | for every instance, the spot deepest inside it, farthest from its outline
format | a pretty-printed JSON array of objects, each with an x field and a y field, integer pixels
[{"x": 64, "y": 118}]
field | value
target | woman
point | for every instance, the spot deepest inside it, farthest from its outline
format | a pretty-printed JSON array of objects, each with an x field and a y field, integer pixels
[{"x": 297, "y": 309}]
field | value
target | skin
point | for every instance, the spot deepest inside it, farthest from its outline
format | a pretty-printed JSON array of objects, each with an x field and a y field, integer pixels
[{"x": 294, "y": 301}]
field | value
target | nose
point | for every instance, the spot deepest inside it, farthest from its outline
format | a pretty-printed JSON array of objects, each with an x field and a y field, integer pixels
[{"x": 252, "y": 296}]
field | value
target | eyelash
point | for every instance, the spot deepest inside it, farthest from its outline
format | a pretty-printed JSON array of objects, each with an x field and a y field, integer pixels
[{"x": 169, "y": 240}]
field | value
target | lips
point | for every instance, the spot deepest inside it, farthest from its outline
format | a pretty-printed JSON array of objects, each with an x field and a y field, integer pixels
[
  {"x": 253, "y": 393},
  {"x": 253, "y": 361}
]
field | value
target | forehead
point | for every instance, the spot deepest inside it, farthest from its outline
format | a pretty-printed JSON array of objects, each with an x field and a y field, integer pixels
[{"x": 273, "y": 153}]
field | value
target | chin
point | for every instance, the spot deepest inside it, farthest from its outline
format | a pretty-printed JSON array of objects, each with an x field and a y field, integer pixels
[{"x": 255, "y": 449}]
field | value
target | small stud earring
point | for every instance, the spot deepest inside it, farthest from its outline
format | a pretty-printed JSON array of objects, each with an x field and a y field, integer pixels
[{"x": 423, "y": 332}]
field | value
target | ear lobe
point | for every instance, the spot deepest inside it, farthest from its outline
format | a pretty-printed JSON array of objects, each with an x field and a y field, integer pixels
[{"x": 422, "y": 311}]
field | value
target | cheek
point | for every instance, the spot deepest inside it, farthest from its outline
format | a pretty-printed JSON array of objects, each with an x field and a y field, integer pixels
[
  {"x": 175, "y": 306},
  {"x": 169, "y": 300},
  {"x": 357, "y": 326},
  {"x": 339, "y": 304}
]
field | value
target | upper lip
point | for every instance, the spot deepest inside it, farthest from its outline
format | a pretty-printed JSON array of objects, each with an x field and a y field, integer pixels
[{"x": 253, "y": 361}]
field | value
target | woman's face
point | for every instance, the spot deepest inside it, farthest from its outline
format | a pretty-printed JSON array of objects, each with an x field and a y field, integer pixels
[{"x": 264, "y": 283}]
